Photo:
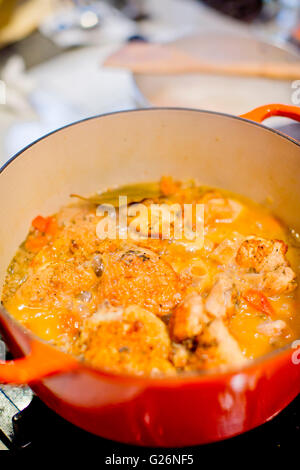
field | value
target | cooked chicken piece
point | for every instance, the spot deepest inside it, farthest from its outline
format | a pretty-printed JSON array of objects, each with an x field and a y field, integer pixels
[
  {"x": 267, "y": 257},
  {"x": 188, "y": 318},
  {"x": 53, "y": 300},
  {"x": 135, "y": 275},
  {"x": 228, "y": 347},
  {"x": 156, "y": 221},
  {"x": 168, "y": 222},
  {"x": 281, "y": 280},
  {"x": 260, "y": 254},
  {"x": 57, "y": 284},
  {"x": 77, "y": 237},
  {"x": 179, "y": 355},
  {"x": 226, "y": 251},
  {"x": 272, "y": 328},
  {"x": 130, "y": 340},
  {"x": 219, "y": 299}
]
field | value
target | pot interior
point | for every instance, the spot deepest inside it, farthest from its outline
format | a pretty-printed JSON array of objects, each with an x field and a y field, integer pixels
[{"x": 215, "y": 149}]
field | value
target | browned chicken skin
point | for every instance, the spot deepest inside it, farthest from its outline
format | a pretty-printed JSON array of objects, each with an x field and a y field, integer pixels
[
  {"x": 130, "y": 340},
  {"x": 261, "y": 255},
  {"x": 267, "y": 259},
  {"x": 135, "y": 275},
  {"x": 188, "y": 319}
]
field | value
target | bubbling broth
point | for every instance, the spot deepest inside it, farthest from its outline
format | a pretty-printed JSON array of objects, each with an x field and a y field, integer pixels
[{"x": 142, "y": 303}]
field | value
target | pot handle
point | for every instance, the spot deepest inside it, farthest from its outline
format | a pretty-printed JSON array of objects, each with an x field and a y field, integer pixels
[
  {"x": 263, "y": 112},
  {"x": 43, "y": 360}
]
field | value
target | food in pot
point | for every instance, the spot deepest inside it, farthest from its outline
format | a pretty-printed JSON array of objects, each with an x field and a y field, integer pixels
[{"x": 148, "y": 304}]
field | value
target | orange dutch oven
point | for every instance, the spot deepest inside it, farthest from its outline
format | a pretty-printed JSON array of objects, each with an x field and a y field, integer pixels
[{"x": 231, "y": 152}]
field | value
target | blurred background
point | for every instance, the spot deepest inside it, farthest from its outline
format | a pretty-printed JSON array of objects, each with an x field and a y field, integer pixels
[{"x": 64, "y": 60}]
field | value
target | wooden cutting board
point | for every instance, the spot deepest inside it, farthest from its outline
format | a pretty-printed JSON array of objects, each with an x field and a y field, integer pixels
[
  {"x": 234, "y": 94},
  {"x": 190, "y": 57}
]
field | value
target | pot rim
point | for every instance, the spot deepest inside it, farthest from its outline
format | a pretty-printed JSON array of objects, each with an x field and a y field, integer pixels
[
  {"x": 150, "y": 109},
  {"x": 184, "y": 377}
]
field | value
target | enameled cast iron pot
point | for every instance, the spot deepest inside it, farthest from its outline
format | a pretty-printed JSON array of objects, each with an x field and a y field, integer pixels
[{"x": 217, "y": 149}]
